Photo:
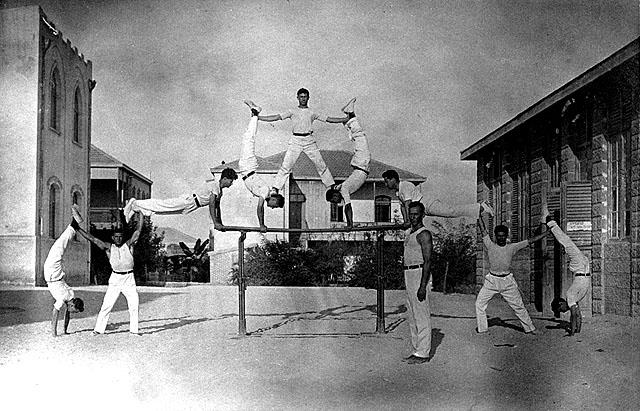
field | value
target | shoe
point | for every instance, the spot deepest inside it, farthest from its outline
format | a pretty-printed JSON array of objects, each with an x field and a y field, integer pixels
[
  {"x": 128, "y": 209},
  {"x": 94, "y": 333},
  {"x": 487, "y": 208},
  {"x": 414, "y": 359},
  {"x": 545, "y": 214},
  {"x": 532, "y": 332},
  {"x": 253, "y": 106},
  {"x": 139, "y": 334},
  {"x": 481, "y": 332},
  {"x": 349, "y": 107},
  {"x": 75, "y": 213}
]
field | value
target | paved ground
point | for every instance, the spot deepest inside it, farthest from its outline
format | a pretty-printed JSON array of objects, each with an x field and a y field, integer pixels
[{"x": 309, "y": 348}]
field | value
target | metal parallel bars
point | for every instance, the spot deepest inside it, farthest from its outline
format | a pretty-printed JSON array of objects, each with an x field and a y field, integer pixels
[{"x": 242, "y": 320}]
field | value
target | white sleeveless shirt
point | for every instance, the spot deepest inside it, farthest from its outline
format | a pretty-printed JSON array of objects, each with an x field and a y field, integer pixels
[
  {"x": 412, "y": 248},
  {"x": 121, "y": 258}
]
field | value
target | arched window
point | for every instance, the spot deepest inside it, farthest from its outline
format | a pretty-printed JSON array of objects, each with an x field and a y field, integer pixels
[
  {"x": 53, "y": 200},
  {"x": 383, "y": 209},
  {"x": 77, "y": 103},
  {"x": 55, "y": 99},
  {"x": 77, "y": 197}
]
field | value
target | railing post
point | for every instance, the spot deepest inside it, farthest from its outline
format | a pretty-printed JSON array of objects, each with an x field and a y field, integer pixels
[
  {"x": 380, "y": 328},
  {"x": 242, "y": 320}
]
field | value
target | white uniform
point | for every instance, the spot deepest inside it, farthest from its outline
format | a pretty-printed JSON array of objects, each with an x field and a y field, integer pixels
[
  {"x": 180, "y": 205},
  {"x": 433, "y": 206},
  {"x": 578, "y": 265},
  {"x": 501, "y": 281},
  {"x": 302, "y": 119},
  {"x": 248, "y": 162},
  {"x": 121, "y": 281},
  {"x": 418, "y": 313},
  {"x": 53, "y": 271},
  {"x": 360, "y": 161}
]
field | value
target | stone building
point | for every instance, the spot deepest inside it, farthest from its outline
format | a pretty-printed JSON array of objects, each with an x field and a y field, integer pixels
[
  {"x": 576, "y": 150},
  {"x": 45, "y": 137}
]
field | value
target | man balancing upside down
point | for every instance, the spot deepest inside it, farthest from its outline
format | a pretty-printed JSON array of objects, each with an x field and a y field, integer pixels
[
  {"x": 249, "y": 164},
  {"x": 359, "y": 162}
]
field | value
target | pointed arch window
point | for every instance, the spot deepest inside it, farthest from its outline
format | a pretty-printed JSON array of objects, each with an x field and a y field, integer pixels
[
  {"x": 77, "y": 104},
  {"x": 55, "y": 92},
  {"x": 53, "y": 206}
]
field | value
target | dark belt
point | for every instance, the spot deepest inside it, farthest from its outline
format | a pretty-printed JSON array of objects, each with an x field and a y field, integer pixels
[
  {"x": 582, "y": 274},
  {"x": 413, "y": 267},
  {"x": 361, "y": 169},
  {"x": 303, "y": 134},
  {"x": 248, "y": 175},
  {"x": 195, "y": 198},
  {"x": 123, "y": 272},
  {"x": 499, "y": 275}
]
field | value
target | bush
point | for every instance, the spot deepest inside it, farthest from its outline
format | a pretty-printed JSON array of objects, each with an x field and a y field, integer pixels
[{"x": 364, "y": 271}]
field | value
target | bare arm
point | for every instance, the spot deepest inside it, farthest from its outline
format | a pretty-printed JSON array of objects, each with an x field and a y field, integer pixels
[
  {"x": 260, "y": 212},
  {"x": 67, "y": 317},
  {"x": 426, "y": 243},
  {"x": 136, "y": 234},
  {"x": 54, "y": 322},
  {"x": 338, "y": 119},
  {"x": 214, "y": 211},
  {"x": 483, "y": 227},
  {"x": 539, "y": 236},
  {"x": 99, "y": 243},
  {"x": 405, "y": 213},
  {"x": 348, "y": 212},
  {"x": 273, "y": 117}
]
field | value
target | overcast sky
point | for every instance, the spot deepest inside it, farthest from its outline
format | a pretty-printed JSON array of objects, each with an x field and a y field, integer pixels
[{"x": 431, "y": 77}]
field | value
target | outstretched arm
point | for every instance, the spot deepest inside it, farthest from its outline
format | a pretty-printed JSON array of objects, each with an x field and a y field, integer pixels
[
  {"x": 136, "y": 234},
  {"x": 426, "y": 244},
  {"x": 483, "y": 227},
  {"x": 99, "y": 243},
  {"x": 538, "y": 237},
  {"x": 405, "y": 213},
  {"x": 260, "y": 212},
  {"x": 338, "y": 119},
  {"x": 273, "y": 117},
  {"x": 67, "y": 317}
]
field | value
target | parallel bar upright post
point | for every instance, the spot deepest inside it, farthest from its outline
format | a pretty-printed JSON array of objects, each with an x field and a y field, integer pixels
[
  {"x": 242, "y": 320},
  {"x": 380, "y": 327}
]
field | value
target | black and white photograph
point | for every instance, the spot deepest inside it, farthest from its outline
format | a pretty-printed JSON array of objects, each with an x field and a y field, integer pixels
[{"x": 320, "y": 205}]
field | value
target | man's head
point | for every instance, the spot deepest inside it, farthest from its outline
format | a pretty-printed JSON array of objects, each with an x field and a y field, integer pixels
[
  {"x": 75, "y": 305},
  {"x": 333, "y": 196},
  {"x": 391, "y": 179},
  {"x": 559, "y": 305},
  {"x": 502, "y": 233},
  {"x": 303, "y": 97},
  {"x": 275, "y": 201},
  {"x": 416, "y": 213},
  {"x": 118, "y": 236},
  {"x": 227, "y": 177}
]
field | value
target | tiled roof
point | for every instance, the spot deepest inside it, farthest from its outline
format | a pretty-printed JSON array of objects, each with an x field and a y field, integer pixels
[
  {"x": 98, "y": 158},
  {"x": 338, "y": 161}
]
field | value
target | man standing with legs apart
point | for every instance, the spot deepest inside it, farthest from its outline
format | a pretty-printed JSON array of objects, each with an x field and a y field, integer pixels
[
  {"x": 249, "y": 164},
  {"x": 500, "y": 279},
  {"x": 54, "y": 276},
  {"x": 359, "y": 163},
  {"x": 120, "y": 255},
  {"x": 579, "y": 266},
  {"x": 302, "y": 118},
  {"x": 418, "y": 246}
]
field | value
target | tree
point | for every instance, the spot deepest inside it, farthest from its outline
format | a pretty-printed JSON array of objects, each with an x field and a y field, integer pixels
[
  {"x": 197, "y": 261},
  {"x": 148, "y": 253},
  {"x": 454, "y": 253}
]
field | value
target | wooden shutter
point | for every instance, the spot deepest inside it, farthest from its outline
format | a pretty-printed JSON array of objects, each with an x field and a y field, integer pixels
[{"x": 576, "y": 200}]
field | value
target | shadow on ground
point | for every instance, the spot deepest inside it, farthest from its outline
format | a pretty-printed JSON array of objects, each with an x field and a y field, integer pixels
[{"x": 30, "y": 306}]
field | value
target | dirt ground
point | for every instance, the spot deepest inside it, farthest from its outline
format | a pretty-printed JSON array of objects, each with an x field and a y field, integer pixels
[{"x": 308, "y": 348}]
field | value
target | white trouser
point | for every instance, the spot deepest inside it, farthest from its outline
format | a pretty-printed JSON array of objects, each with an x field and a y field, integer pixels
[
  {"x": 418, "y": 314},
  {"x": 150, "y": 206},
  {"x": 508, "y": 288},
  {"x": 297, "y": 145},
  {"x": 53, "y": 263},
  {"x": 578, "y": 289},
  {"x": 125, "y": 284},
  {"x": 248, "y": 161},
  {"x": 578, "y": 262},
  {"x": 362, "y": 155},
  {"x": 436, "y": 208}
]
